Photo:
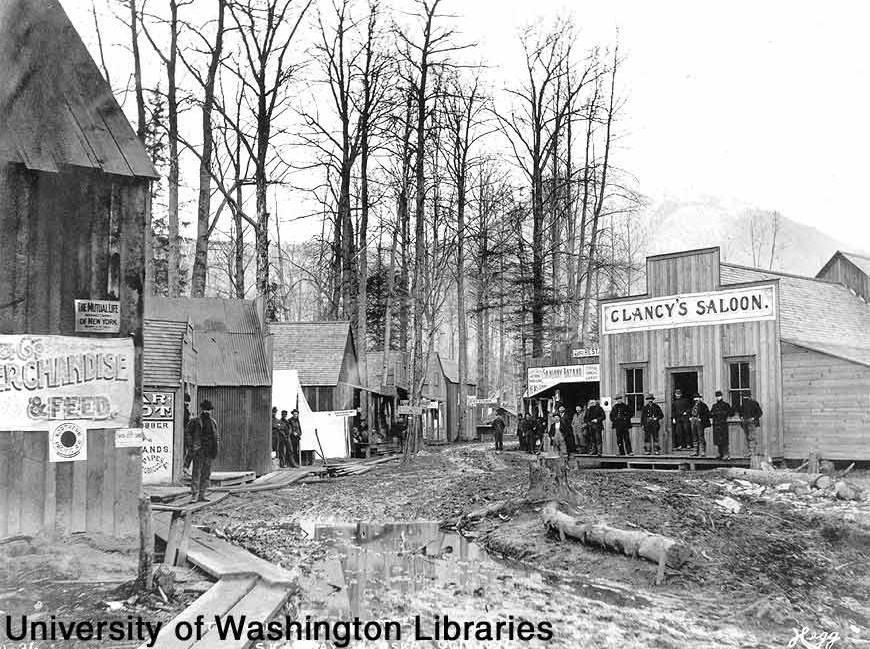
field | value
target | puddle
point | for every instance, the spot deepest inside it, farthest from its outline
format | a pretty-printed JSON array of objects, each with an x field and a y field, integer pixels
[{"x": 371, "y": 569}]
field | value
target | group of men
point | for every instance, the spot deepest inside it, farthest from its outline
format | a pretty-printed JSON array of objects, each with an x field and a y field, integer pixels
[
  {"x": 582, "y": 432},
  {"x": 286, "y": 434}
]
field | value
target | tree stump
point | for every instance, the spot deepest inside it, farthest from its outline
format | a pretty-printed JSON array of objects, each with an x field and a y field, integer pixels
[
  {"x": 548, "y": 480},
  {"x": 813, "y": 463}
]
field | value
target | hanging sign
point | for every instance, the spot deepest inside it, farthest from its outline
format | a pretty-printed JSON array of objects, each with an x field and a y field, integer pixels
[
  {"x": 67, "y": 442},
  {"x": 692, "y": 310},
  {"x": 158, "y": 414},
  {"x": 128, "y": 438},
  {"x": 541, "y": 378},
  {"x": 98, "y": 316},
  {"x": 482, "y": 401},
  {"x": 409, "y": 410},
  {"x": 158, "y": 406},
  {"x": 45, "y": 379},
  {"x": 585, "y": 352},
  {"x": 344, "y": 413}
]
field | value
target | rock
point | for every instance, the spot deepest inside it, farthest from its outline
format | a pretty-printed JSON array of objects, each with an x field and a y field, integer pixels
[
  {"x": 844, "y": 492},
  {"x": 823, "y": 482},
  {"x": 801, "y": 489},
  {"x": 826, "y": 466},
  {"x": 784, "y": 487},
  {"x": 729, "y": 505}
]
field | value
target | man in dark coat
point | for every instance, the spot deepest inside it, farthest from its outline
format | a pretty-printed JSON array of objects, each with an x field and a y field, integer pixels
[
  {"x": 567, "y": 430},
  {"x": 204, "y": 441},
  {"x": 498, "y": 431},
  {"x": 578, "y": 425},
  {"x": 294, "y": 428},
  {"x": 276, "y": 429},
  {"x": 699, "y": 417},
  {"x": 750, "y": 414},
  {"x": 650, "y": 420},
  {"x": 188, "y": 458},
  {"x": 680, "y": 408},
  {"x": 541, "y": 430},
  {"x": 620, "y": 419},
  {"x": 527, "y": 433},
  {"x": 719, "y": 413},
  {"x": 284, "y": 450},
  {"x": 595, "y": 417}
]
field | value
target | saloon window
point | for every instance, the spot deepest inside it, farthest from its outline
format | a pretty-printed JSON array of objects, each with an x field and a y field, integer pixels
[
  {"x": 634, "y": 388},
  {"x": 739, "y": 381}
]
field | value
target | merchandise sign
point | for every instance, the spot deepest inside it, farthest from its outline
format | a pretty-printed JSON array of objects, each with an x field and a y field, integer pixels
[
  {"x": 541, "y": 378},
  {"x": 47, "y": 379},
  {"x": 98, "y": 316},
  {"x": 692, "y": 310},
  {"x": 128, "y": 438},
  {"x": 156, "y": 451},
  {"x": 67, "y": 442}
]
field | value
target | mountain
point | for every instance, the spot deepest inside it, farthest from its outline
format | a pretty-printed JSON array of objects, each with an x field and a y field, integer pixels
[{"x": 706, "y": 222}]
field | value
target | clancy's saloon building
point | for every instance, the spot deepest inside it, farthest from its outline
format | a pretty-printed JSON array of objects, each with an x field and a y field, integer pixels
[{"x": 800, "y": 345}]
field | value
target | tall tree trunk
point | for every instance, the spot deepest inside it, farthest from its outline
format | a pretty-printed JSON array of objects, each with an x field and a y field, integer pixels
[
  {"x": 203, "y": 208},
  {"x": 537, "y": 258},
  {"x": 141, "y": 134},
  {"x": 239, "y": 240},
  {"x": 460, "y": 308},
  {"x": 362, "y": 287},
  {"x": 174, "y": 255}
]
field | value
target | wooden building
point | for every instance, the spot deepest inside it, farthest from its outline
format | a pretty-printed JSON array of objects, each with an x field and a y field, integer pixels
[
  {"x": 386, "y": 389},
  {"x": 230, "y": 369},
  {"x": 450, "y": 368},
  {"x": 74, "y": 202},
  {"x": 325, "y": 356},
  {"x": 849, "y": 269},
  {"x": 800, "y": 345}
]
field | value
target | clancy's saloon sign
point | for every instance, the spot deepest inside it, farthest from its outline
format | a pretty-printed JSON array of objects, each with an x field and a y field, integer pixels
[{"x": 692, "y": 310}]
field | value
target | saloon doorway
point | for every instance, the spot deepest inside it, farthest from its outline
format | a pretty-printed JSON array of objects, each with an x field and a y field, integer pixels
[{"x": 687, "y": 381}]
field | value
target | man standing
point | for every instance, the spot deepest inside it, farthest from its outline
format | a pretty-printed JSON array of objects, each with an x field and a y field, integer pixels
[
  {"x": 567, "y": 431},
  {"x": 498, "y": 431},
  {"x": 620, "y": 418},
  {"x": 650, "y": 420},
  {"x": 699, "y": 417},
  {"x": 295, "y": 430},
  {"x": 187, "y": 455},
  {"x": 595, "y": 417},
  {"x": 276, "y": 430},
  {"x": 680, "y": 408},
  {"x": 284, "y": 451},
  {"x": 204, "y": 441},
  {"x": 719, "y": 413},
  {"x": 579, "y": 428},
  {"x": 750, "y": 413}
]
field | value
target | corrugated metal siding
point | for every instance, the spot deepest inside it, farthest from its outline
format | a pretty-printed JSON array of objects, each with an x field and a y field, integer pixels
[
  {"x": 231, "y": 359},
  {"x": 207, "y": 313},
  {"x": 825, "y": 405},
  {"x": 244, "y": 416},
  {"x": 162, "y": 355}
]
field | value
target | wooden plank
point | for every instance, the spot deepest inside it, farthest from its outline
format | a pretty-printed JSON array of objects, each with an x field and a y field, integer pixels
[
  {"x": 50, "y": 490},
  {"x": 56, "y": 252},
  {"x": 111, "y": 482},
  {"x": 5, "y": 469},
  {"x": 78, "y": 519},
  {"x": 33, "y": 482},
  {"x": 23, "y": 267},
  {"x": 174, "y": 538},
  {"x": 38, "y": 288},
  {"x": 261, "y": 603},
  {"x": 217, "y": 601},
  {"x": 95, "y": 482},
  {"x": 15, "y": 483},
  {"x": 64, "y": 492},
  {"x": 128, "y": 471}
]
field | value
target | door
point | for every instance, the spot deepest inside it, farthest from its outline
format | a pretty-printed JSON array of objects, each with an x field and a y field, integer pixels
[{"x": 689, "y": 382}]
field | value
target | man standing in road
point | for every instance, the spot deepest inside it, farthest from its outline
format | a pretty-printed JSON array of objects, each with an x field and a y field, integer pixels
[
  {"x": 719, "y": 413},
  {"x": 204, "y": 441},
  {"x": 680, "y": 408},
  {"x": 699, "y": 417},
  {"x": 595, "y": 417},
  {"x": 498, "y": 431},
  {"x": 650, "y": 420},
  {"x": 295, "y": 430},
  {"x": 620, "y": 418},
  {"x": 750, "y": 414}
]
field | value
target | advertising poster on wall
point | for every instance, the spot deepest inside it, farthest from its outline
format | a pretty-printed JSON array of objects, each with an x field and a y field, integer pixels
[{"x": 158, "y": 417}]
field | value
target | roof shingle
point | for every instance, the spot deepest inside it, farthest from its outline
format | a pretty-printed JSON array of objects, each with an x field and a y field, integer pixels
[{"x": 314, "y": 349}]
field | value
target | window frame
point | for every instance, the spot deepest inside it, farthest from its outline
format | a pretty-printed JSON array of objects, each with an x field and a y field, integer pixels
[
  {"x": 635, "y": 396},
  {"x": 752, "y": 385}
]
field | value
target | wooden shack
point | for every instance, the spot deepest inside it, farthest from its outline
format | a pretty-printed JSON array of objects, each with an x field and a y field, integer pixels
[
  {"x": 450, "y": 368},
  {"x": 387, "y": 389},
  {"x": 74, "y": 202},
  {"x": 231, "y": 370},
  {"x": 799, "y": 344},
  {"x": 849, "y": 269}
]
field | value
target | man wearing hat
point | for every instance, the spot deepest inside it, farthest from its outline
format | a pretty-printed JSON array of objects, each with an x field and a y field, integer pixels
[
  {"x": 682, "y": 427},
  {"x": 295, "y": 430},
  {"x": 595, "y": 417},
  {"x": 750, "y": 413},
  {"x": 620, "y": 418},
  {"x": 719, "y": 413},
  {"x": 204, "y": 441},
  {"x": 650, "y": 420},
  {"x": 284, "y": 447},
  {"x": 699, "y": 417}
]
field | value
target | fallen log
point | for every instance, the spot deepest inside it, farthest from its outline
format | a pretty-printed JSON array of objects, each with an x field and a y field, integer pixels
[
  {"x": 633, "y": 543},
  {"x": 481, "y": 512},
  {"x": 773, "y": 478}
]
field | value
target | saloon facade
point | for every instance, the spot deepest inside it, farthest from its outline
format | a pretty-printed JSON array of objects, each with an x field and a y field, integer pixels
[{"x": 800, "y": 345}]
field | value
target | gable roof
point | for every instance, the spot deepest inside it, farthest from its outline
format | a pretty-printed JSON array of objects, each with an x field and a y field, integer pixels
[
  {"x": 850, "y": 353},
  {"x": 860, "y": 261},
  {"x": 229, "y": 342},
  {"x": 807, "y": 306},
  {"x": 314, "y": 349},
  {"x": 397, "y": 369},
  {"x": 55, "y": 107},
  {"x": 450, "y": 366}
]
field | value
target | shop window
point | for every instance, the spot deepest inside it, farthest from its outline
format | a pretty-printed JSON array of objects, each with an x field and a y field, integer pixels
[
  {"x": 739, "y": 381},
  {"x": 634, "y": 388}
]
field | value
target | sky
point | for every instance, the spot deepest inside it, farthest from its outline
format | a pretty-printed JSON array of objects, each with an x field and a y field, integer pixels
[{"x": 760, "y": 103}]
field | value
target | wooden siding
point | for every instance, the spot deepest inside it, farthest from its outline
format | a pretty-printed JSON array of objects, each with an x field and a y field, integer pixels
[
  {"x": 244, "y": 418},
  {"x": 54, "y": 249},
  {"x": 162, "y": 355},
  {"x": 344, "y": 397},
  {"x": 686, "y": 272},
  {"x": 826, "y": 405},
  {"x": 841, "y": 270}
]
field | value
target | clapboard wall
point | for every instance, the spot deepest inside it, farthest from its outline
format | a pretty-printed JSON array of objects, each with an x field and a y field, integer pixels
[
  {"x": 705, "y": 349},
  {"x": 826, "y": 403},
  {"x": 843, "y": 270},
  {"x": 75, "y": 234}
]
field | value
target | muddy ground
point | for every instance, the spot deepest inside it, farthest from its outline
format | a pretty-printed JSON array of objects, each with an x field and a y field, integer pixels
[{"x": 782, "y": 563}]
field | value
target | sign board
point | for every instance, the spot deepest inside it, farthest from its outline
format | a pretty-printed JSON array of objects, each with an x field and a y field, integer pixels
[
  {"x": 482, "y": 401},
  {"x": 98, "y": 316},
  {"x": 433, "y": 405},
  {"x": 46, "y": 379},
  {"x": 541, "y": 378},
  {"x": 67, "y": 441},
  {"x": 692, "y": 310},
  {"x": 606, "y": 403},
  {"x": 585, "y": 352},
  {"x": 158, "y": 428},
  {"x": 409, "y": 410},
  {"x": 128, "y": 438},
  {"x": 344, "y": 413}
]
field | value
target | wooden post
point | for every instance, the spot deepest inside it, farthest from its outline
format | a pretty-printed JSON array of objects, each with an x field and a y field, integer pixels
[
  {"x": 813, "y": 462},
  {"x": 146, "y": 544}
]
